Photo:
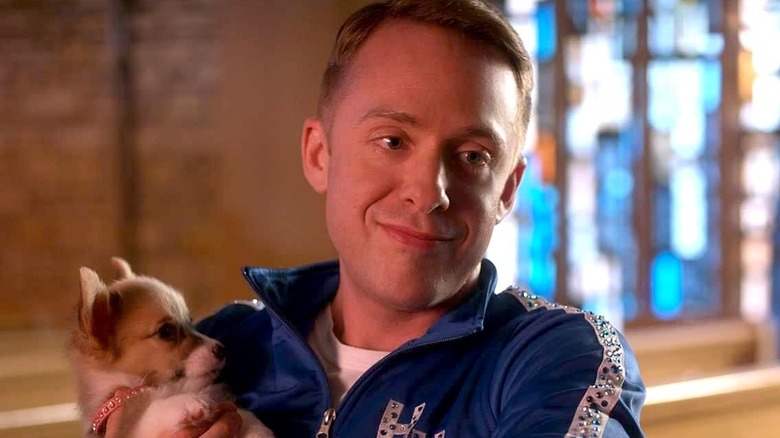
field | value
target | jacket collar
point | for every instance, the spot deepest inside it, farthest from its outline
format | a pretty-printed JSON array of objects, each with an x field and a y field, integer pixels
[{"x": 297, "y": 295}]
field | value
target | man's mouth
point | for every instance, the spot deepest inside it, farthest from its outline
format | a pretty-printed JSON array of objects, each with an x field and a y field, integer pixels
[{"x": 415, "y": 238}]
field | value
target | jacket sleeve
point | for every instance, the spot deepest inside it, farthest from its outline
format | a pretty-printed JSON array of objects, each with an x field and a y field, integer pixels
[
  {"x": 223, "y": 323},
  {"x": 576, "y": 377}
]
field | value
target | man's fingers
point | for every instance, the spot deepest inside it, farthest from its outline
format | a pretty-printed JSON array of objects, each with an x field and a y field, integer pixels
[
  {"x": 225, "y": 406},
  {"x": 190, "y": 432}
]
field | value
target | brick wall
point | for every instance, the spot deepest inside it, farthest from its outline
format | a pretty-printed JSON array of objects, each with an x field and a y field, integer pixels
[
  {"x": 59, "y": 186},
  {"x": 175, "y": 54}
]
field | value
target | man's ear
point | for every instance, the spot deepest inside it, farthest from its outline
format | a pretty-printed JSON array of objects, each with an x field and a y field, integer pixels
[
  {"x": 315, "y": 154},
  {"x": 510, "y": 189}
]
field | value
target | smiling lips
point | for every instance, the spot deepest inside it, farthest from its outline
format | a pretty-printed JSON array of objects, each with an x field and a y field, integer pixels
[{"x": 414, "y": 238}]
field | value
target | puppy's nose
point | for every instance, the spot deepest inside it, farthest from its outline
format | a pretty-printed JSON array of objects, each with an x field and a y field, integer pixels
[{"x": 218, "y": 350}]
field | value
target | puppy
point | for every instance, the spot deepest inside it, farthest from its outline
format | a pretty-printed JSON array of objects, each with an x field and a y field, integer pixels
[{"x": 134, "y": 346}]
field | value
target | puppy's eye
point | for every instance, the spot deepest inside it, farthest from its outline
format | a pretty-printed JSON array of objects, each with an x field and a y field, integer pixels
[{"x": 167, "y": 332}]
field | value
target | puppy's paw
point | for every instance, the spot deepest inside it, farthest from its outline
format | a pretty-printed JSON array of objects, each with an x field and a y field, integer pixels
[
  {"x": 252, "y": 427},
  {"x": 176, "y": 413},
  {"x": 257, "y": 432},
  {"x": 197, "y": 410}
]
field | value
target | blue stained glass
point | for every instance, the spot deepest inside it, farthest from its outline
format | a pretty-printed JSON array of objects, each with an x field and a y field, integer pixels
[
  {"x": 579, "y": 14},
  {"x": 715, "y": 13},
  {"x": 545, "y": 27},
  {"x": 685, "y": 81},
  {"x": 617, "y": 239},
  {"x": 666, "y": 286},
  {"x": 542, "y": 278},
  {"x": 711, "y": 83},
  {"x": 660, "y": 5},
  {"x": 688, "y": 212},
  {"x": 618, "y": 183},
  {"x": 631, "y": 8},
  {"x": 630, "y": 306},
  {"x": 661, "y": 214},
  {"x": 536, "y": 209}
]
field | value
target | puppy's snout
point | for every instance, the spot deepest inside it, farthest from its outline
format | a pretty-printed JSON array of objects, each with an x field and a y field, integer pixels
[{"x": 218, "y": 350}]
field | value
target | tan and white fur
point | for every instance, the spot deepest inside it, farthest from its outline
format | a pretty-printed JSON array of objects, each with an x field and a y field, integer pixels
[{"x": 137, "y": 332}]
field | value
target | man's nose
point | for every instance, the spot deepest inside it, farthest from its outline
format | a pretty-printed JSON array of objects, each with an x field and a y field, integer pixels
[{"x": 425, "y": 184}]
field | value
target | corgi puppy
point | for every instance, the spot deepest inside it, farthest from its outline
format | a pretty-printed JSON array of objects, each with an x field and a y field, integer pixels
[{"x": 134, "y": 346}]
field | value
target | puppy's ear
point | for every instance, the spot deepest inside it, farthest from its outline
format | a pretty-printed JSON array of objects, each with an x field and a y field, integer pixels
[
  {"x": 122, "y": 268},
  {"x": 98, "y": 308}
]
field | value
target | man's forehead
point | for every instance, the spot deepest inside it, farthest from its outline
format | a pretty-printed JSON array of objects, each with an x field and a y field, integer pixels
[
  {"x": 404, "y": 64},
  {"x": 397, "y": 33},
  {"x": 408, "y": 47},
  {"x": 403, "y": 41}
]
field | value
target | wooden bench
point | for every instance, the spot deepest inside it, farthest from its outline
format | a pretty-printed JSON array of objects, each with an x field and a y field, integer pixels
[
  {"x": 39, "y": 395},
  {"x": 742, "y": 404},
  {"x": 688, "y": 351}
]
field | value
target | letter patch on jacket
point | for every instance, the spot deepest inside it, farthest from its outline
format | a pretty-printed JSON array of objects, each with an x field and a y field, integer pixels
[{"x": 390, "y": 426}]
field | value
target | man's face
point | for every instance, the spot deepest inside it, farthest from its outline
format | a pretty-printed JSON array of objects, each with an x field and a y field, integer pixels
[{"x": 418, "y": 164}]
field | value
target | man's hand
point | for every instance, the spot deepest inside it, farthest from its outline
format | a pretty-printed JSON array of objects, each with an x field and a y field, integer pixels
[{"x": 227, "y": 425}]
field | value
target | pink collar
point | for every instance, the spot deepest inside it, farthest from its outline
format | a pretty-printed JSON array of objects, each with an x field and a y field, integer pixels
[{"x": 120, "y": 396}]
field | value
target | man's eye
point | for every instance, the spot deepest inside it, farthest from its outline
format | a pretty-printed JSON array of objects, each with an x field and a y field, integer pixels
[
  {"x": 476, "y": 158},
  {"x": 392, "y": 142},
  {"x": 167, "y": 332}
]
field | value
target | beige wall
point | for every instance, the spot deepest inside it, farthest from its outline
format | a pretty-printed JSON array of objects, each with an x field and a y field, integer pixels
[
  {"x": 58, "y": 178},
  {"x": 273, "y": 54},
  {"x": 222, "y": 88}
]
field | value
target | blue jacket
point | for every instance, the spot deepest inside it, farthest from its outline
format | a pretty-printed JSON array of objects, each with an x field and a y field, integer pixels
[{"x": 499, "y": 365}]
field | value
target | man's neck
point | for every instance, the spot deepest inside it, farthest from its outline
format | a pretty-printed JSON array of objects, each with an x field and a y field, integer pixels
[
  {"x": 362, "y": 322},
  {"x": 372, "y": 326}
]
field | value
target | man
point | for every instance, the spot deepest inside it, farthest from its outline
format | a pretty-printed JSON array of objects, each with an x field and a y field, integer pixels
[{"x": 424, "y": 108}]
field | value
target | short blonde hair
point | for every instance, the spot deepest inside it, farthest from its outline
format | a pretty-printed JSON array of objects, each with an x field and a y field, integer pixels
[{"x": 474, "y": 19}]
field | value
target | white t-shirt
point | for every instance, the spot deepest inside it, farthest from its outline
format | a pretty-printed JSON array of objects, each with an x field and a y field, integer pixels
[{"x": 343, "y": 364}]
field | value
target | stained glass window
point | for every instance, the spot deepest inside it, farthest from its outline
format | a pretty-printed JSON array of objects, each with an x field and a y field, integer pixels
[
  {"x": 683, "y": 77},
  {"x": 629, "y": 206},
  {"x": 759, "y": 113},
  {"x": 524, "y": 245}
]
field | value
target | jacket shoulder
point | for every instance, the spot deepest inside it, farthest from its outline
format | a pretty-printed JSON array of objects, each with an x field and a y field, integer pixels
[
  {"x": 232, "y": 316},
  {"x": 575, "y": 354}
]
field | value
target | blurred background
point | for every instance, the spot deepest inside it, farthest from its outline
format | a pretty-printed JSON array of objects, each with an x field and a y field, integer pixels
[{"x": 167, "y": 132}]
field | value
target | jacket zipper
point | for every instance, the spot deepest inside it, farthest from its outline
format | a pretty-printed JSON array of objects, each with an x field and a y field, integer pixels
[
  {"x": 327, "y": 423},
  {"x": 329, "y": 417},
  {"x": 330, "y": 414},
  {"x": 392, "y": 355}
]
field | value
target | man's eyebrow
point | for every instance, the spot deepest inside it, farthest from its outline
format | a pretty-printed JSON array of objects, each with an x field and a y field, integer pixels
[
  {"x": 386, "y": 113},
  {"x": 483, "y": 132}
]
